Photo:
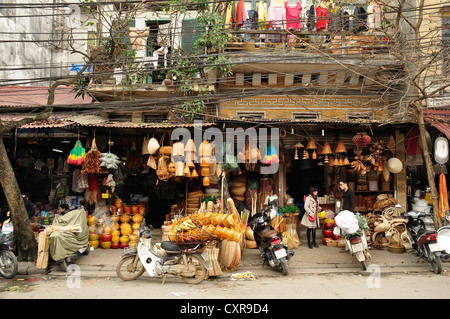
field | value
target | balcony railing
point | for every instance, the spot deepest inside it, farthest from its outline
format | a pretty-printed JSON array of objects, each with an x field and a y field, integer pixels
[{"x": 331, "y": 42}]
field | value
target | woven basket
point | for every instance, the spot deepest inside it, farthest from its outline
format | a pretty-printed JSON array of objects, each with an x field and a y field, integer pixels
[{"x": 165, "y": 150}]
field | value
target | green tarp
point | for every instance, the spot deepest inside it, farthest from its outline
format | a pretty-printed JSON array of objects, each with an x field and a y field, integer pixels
[{"x": 65, "y": 243}]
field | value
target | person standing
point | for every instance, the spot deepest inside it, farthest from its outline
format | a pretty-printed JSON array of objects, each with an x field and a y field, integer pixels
[
  {"x": 311, "y": 217},
  {"x": 348, "y": 196}
]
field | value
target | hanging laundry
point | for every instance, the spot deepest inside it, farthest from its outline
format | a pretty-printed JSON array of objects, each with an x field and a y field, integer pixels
[
  {"x": 261, "y": 9},
  {"x": 360, "y": 19},
  {"x": 345, "y": 20},
  {"x": 293, "y": 16},
  {"x": 374, "y": 18},
  {"x": 322, "y": 18},
  {"x": 413, "y": 153},
  {"x": 276, "y": 14},
  {"x": 311, "y": 22},
  {"x": 138, "y": 37},
  {"x": 334, "y": 19},
  {"x": 240, "y": 14}
]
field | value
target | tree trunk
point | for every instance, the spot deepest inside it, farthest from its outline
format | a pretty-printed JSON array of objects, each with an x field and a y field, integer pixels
[
  {"x": 429, "y": 167},
  {"x": 23, "y": 233}
]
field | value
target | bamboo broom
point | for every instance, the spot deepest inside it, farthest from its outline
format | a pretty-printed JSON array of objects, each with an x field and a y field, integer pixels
[
  {"x": 213, "y": 258},
  {"x": 43, "y": 251}
]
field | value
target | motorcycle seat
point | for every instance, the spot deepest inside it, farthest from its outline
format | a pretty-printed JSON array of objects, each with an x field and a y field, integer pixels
[
  {"x": 168, "y": 246},
  {"x": 269, "y": 234}
]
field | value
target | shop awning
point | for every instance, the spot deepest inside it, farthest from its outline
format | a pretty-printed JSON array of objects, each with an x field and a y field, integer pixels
[{"x": 440, "y": 119}]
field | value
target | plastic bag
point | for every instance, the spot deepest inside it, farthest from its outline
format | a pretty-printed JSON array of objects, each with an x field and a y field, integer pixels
[
  {"x": 7, "y": 236},
  {"x": 347, "y": 222}
]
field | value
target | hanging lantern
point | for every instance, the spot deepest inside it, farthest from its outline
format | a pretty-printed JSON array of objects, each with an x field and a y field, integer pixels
[
  {"x": 314, "y": 155},
  {"x": 311, "y": 144},
  {"x": 346, "y": 161},
  {"x": 361, "y": 139},
  {"x": 325, "y": 160},
  {"x": 296, "y": 154},
  {"x": 327, "y": 149},
  {"x": 340, "y": 148}
]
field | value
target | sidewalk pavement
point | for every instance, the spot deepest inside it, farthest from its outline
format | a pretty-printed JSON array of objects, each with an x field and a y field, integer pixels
[{"x": 323, "y": 260}]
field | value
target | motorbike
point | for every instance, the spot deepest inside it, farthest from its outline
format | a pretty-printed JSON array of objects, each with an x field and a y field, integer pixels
[
  {"x": 188, "y": 261},
  {"x": 8, "y": 261},
  {"x": 357, "y": 246},
  {"x": 423, "y": 238},
  {"x": 355, "y": 238},
  {"x": 270, "y": 242},
  {"x": 67, "y": 246}
]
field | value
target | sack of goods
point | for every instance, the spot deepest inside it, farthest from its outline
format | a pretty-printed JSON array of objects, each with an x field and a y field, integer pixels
[{"x": 347, "y": 222}]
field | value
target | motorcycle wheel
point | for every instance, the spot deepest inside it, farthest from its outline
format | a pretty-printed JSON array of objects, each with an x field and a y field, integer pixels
[
  {"x": 63, "y": 265},
  {"x": 284, "y": 267},
  {"x": 126, "y": 271},
  {"x": 8, "y": 264},
  {"x": 434, "y": 260},
  {"x": 364, "y": 265},
  {"x": 200, "y": 269}
]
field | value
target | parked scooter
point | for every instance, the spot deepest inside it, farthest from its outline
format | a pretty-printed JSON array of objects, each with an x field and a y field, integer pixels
[
  {"x": 270, "y": 242},
  {"x": 355, "y": 238},
  {"x": 423, "y": 238},
  {"x": 8, "y": 261},
  {"x": 187, "y": 261}
]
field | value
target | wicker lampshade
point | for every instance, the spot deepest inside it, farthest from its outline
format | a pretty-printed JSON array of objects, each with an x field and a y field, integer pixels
[
  {"x": 311, "y": 144},
  {"x": 299, "y": 145},
  {"x": 340, "y": 148},
  {"x": 327, "y": 148}
]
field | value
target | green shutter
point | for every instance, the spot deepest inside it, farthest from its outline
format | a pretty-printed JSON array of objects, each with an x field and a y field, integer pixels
[{"x": 190, "y": 32}]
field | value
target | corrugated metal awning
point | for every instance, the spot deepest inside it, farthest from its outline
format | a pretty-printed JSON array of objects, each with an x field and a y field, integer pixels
[{"x": 440, "y": 119}]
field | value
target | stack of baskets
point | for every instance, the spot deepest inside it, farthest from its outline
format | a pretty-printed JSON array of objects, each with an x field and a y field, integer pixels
[{"x": 193, "y": 201}]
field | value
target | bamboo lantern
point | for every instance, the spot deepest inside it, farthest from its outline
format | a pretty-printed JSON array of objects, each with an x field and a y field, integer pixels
[
  {"x": 327, "y": 149},
  {"x": 205, "y": 152},
  {"x": 319, "y": 149},
  {"x": 297, "y": 146},
  {"x": 194, "y": 174},
  {"x": 336, "y": 162},
  {"x": 311, "y": 144},
  {"x": 340, "y": 148},
  {"x": 189, "y": 153}
]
